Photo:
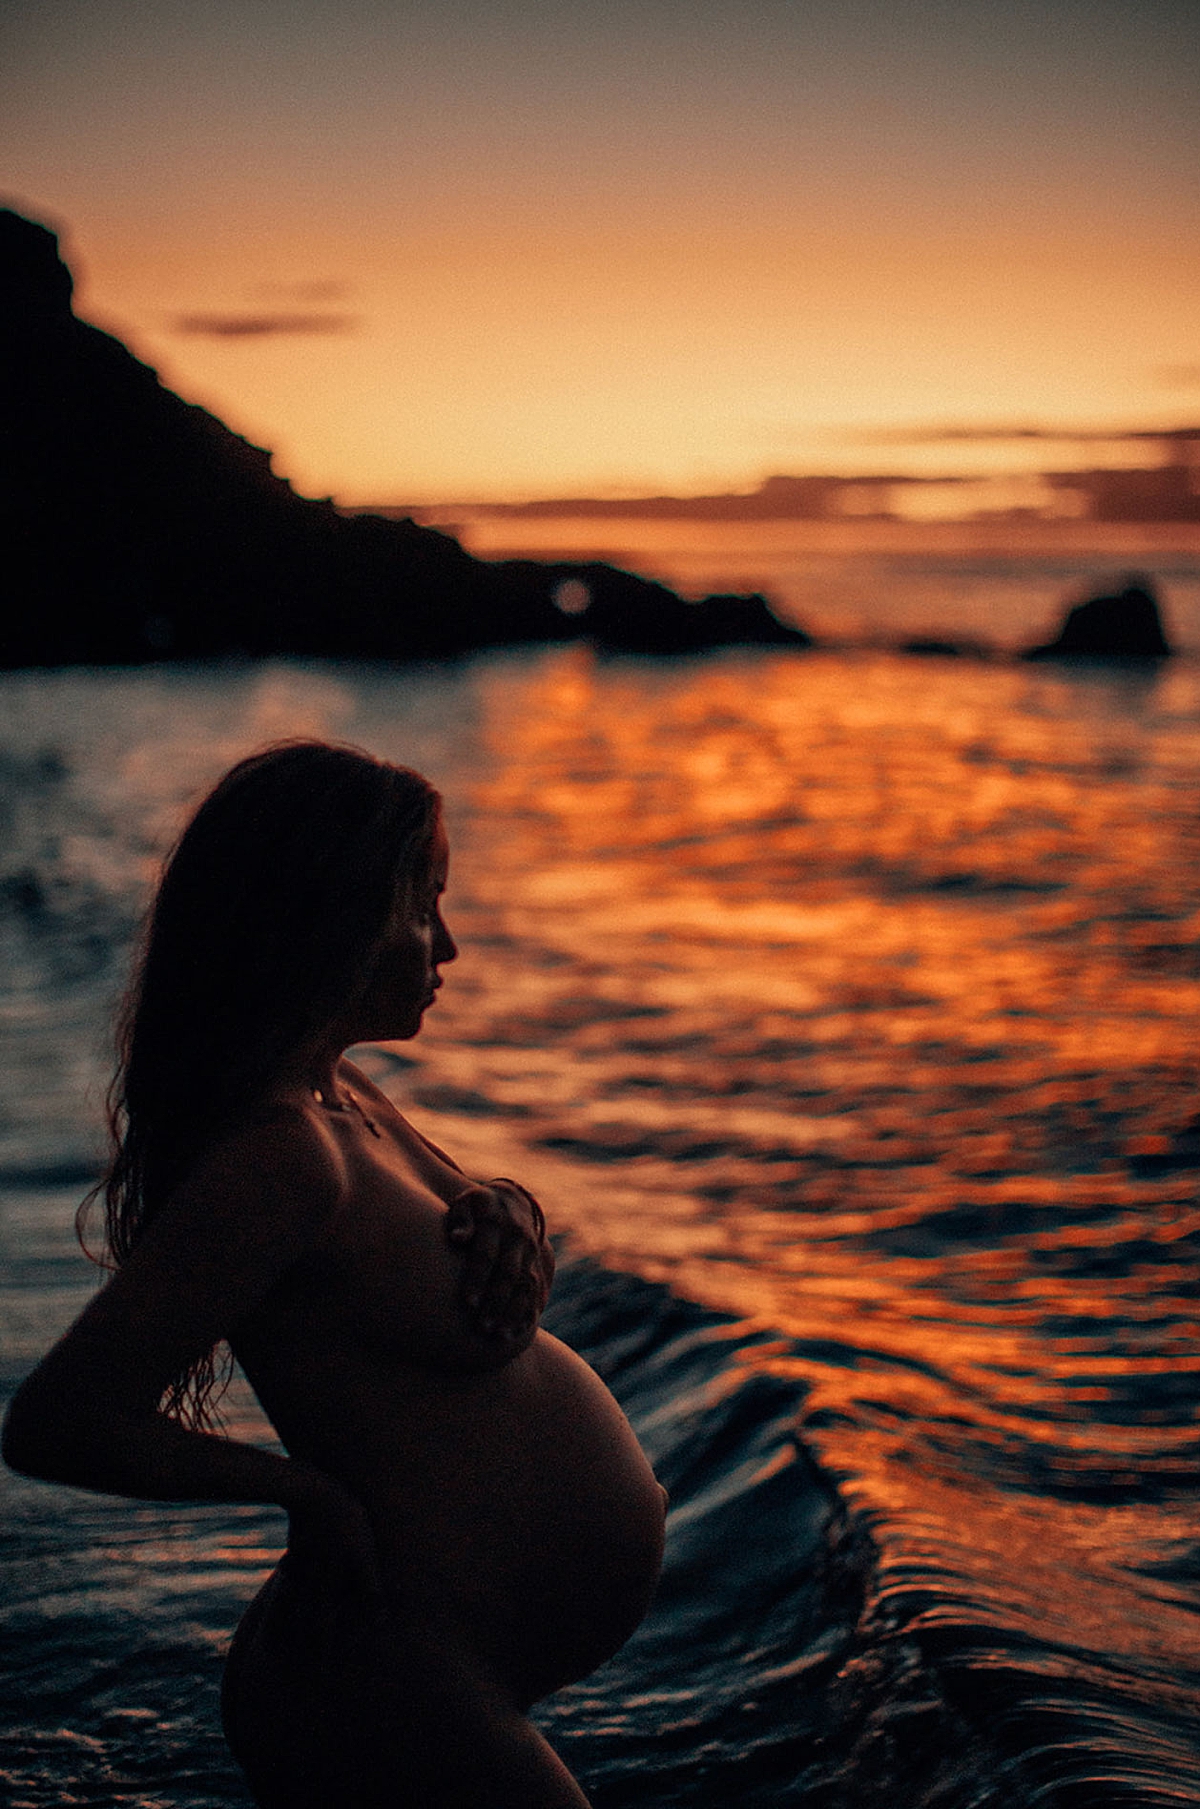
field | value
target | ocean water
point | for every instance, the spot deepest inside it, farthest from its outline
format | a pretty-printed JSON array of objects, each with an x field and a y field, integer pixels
[{"x": 841, "y": 1007}]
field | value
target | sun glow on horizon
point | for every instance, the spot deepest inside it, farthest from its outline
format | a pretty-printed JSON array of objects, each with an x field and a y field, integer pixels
[{"x": 481, "y": 255}]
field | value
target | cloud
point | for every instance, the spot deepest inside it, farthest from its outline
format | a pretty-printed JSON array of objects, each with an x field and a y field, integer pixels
[
  {"x": 261, "y": 326},
  {"x": 965, "y": 433}
]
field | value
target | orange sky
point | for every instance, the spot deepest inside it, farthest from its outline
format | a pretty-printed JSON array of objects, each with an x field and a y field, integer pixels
[{"x": 516, "y": 250}]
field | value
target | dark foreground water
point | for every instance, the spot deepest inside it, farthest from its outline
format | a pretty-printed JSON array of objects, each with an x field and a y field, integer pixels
[{"x": 842, "y": 1008}]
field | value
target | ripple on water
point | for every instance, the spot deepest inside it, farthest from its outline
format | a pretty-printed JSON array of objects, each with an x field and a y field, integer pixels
[{"x": 855, "y": 999}]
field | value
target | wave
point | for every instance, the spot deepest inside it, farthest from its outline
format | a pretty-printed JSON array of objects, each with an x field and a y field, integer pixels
[
  {"x": 805, "y": 1648},
  {"x": 797, "y": 1652}
]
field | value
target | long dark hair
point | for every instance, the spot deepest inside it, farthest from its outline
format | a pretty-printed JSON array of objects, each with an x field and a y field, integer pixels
[{"x": 263, "y": 928}]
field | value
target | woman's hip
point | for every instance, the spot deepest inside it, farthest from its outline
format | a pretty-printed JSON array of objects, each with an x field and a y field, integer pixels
[{"x": 353, "y": 1702}]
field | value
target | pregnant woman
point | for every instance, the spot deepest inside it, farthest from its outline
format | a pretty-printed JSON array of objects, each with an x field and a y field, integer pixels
[{"x": 472, "y": 1523}]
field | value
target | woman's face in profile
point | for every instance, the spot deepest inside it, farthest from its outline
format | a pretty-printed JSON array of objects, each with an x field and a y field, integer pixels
[{"x": 404, "y": 978}]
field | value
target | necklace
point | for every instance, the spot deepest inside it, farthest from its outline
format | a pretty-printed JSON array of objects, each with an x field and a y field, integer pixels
[{"x": 348, "y": 1104}]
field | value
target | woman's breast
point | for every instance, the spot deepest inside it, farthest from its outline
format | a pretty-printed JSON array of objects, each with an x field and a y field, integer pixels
[{"x": 523, "y": 1501}]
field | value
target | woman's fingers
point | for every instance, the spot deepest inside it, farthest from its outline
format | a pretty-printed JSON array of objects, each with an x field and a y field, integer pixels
[
  {"x": 530, "y": 1265},
  {"x": 546, "y": 1268},
  {"x": 507, "y": 1263},
  {"x": 510, "y": 1286},
  {"x": 474, "y": 1224},
  {"x": 468, "y": 1210},
  {"x": 483, "y": 1254}
]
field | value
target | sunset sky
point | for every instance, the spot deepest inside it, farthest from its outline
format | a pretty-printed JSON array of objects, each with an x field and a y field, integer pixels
[{"x": 486, "y": 249}]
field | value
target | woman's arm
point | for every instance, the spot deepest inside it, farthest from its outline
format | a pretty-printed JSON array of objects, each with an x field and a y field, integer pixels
[{"x": 89, "y": 1414}]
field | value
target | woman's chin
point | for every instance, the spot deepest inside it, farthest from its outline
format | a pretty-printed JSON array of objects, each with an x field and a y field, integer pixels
[
  {"x": 397, "y": 1026},
  {"x": 403, "y": 1033},
  {"x": 392, "y": 1032}
]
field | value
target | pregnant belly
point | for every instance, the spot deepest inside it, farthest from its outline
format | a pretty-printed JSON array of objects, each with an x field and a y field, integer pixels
[{"x": 539, "y": 1521}]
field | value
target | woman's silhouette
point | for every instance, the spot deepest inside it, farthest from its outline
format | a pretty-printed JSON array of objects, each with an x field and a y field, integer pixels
[{"x": 471, "y": 1521}]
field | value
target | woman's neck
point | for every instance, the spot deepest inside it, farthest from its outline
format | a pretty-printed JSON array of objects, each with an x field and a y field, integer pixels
[{"x": 314, "y": 1073}]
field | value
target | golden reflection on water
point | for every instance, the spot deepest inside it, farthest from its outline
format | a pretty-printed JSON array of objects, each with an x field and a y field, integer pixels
[
  {"x": 853, "y": 995},
  {"x": 848, "y": 994}
]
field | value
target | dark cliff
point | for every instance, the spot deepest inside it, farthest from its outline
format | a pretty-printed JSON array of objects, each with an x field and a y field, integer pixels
[{"x": 136, "y": 526}]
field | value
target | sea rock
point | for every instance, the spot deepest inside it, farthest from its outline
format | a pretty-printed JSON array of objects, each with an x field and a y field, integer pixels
[
  {"x": 1126, "y": 625},
  {"x": 623, "y": 613}
]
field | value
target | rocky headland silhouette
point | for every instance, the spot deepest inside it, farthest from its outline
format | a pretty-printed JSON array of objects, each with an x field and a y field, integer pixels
[{"x": 136, "y": 526}]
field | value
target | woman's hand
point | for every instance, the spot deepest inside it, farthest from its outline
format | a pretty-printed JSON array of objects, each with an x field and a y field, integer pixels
[{"x": 508, "y": 1262}]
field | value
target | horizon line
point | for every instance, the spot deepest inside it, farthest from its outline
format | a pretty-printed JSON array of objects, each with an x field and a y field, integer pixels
[{"x": 809, "y": 494}]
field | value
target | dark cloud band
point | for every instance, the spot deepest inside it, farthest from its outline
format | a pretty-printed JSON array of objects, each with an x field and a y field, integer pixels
[
  {"x": 963, "y": 434},
  {"x": 261, "y": 326}
]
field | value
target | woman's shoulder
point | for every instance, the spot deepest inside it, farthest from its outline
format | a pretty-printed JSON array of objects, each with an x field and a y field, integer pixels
[
  {"x": 278, "y": 1150},
  {"x": 353, "y": 1078},
  {"x": 373, "y": 1096}
]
